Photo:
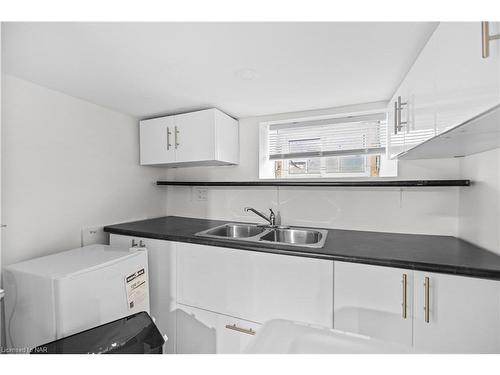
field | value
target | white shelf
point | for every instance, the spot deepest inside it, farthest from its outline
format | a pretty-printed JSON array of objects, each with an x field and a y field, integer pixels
[{"x": 478, "y": 134}]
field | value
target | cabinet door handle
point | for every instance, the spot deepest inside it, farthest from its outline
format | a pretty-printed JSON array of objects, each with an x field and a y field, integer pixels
[
  {"x": 176, "y": 131},
  {"x": 426, "y": 300},
  {"x": 168, "y": 138},
  {"x": 486, "y": 38},
  {"x": 134, "y": 243},
  {"x": 234, "y": 327},
  {"x": 395, "y": 117},
  {"x": 405, "y": 295},
  {"x": 399, "y": 107}
]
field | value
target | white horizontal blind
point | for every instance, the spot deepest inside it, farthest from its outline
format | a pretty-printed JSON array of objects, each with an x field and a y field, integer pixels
[
  {"x": 413, "y": 137},
  {"x": 355, "y": 135}
]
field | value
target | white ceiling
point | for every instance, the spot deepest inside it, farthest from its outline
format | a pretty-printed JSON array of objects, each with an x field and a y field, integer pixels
[{"x": 245, "y": 69}]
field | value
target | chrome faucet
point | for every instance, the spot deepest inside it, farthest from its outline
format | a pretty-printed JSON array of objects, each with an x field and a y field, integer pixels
[{"x": 271, "y": 219}]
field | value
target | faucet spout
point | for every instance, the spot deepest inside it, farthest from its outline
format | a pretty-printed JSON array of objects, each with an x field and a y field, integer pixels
[{"x": 271, "y": 219}]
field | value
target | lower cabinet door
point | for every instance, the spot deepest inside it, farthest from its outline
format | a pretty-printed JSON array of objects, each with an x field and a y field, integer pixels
[
  {"x": 162, "y": 282},
  {"x": 455, "y": 314},
  {"x": 255, "y": 286},
  {"x": 205, "y": 332},
  {"x": 373, "y": 301}
]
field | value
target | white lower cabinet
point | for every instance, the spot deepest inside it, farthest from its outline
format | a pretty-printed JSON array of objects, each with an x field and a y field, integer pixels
[
  {"x": 255, "y": 286},
  {"x": 162, "y": 282},
  {"x": 464, "y": 314},
  {"x": 205, "y": 332},
  {"x": 196, "y": 291},
  {"x": 210, "y": 300},
  {"x": 444, "y": 313},
  {"x": 369, "y": 300}
]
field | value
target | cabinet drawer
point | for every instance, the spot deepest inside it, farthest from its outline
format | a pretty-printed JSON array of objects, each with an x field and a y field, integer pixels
[
  {"x": 255, "y": 286},
  {"x": 205, "y": 332}
]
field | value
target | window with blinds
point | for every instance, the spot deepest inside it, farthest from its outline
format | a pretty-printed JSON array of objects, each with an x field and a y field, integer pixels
[
  {"x": 331, "y": 137},
  {"x": 336, "y": 147}
]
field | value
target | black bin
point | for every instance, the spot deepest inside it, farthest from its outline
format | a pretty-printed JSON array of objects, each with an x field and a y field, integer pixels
[{"x": 134, "y": 334}]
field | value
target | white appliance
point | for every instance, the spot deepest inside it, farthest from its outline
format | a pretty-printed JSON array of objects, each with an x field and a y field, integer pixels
[{"x": 55, "y": 296}]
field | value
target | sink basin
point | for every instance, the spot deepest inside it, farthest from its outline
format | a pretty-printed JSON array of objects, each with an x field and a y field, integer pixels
[
  {"x": 300, "y": 237},
  {"x": 234, "y": 231},
  {"x": 304, "y": 237}
]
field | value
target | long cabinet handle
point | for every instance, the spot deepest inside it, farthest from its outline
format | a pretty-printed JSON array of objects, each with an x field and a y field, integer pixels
[
  {"x": 401, "y": 104},
  {"x": 398, "y": 112},
  {"x": 486, "y": 38},
  {"x": 395, "y": 117},
  {"x": 426, "y": 300},
  {"x": 168, "y": 138},
  {"x": 405, "y": 295},
  {"x": 398, "y": 106},
  {"x": 234, "y": 327},
  {"x": 176, "y": 131}
]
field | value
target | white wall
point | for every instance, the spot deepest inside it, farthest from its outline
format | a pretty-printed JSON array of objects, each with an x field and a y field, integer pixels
[
  {"x": 67, "y": 164},
  {"x": 410, "y": 210},
  {"x": 479, "y": 220},
  {"x": 2, "y": 338}
]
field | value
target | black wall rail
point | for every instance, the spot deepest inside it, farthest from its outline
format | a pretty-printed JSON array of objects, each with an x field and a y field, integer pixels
[{"x": 388, "y": 183}]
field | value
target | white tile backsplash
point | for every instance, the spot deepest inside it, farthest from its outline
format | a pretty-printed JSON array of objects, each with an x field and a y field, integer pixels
[
  {"x": 385, "y": 209},
  {"x": 427, "y": 211},
  {"x": 222, "y": 203},
  {"x": 336, "y": 208}
]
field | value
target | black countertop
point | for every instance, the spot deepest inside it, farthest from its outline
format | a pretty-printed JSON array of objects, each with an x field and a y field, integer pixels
[{"x": 443, "y": 254}]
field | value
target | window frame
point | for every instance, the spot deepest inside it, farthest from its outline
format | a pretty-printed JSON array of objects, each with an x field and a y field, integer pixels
[{"x": 267, "y": 167}]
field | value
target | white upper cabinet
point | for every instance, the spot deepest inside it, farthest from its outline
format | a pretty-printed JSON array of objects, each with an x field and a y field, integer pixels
[
  {"x": 155, "y": 141},
  {"x": 208, "y": 137},
  {"x": 466, "y": 83},
  {"x": 449, "y": 83}
]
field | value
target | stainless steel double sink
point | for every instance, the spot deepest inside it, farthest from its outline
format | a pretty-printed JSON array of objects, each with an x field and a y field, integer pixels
[{"x": 294, "y": 236}]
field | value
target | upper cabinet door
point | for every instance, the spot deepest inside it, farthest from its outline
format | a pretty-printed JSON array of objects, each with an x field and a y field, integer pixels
[
  {"x": 194, "y": 136},
  {"x": 156, "y": 141},
  {"x": 373, "y": 301},
  {"x": 466, "y": 83},
  {"x": 449, "y": 83},
  {"x": 455, "y": 314}
]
